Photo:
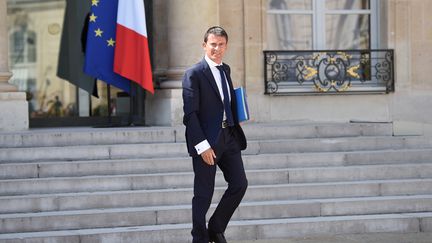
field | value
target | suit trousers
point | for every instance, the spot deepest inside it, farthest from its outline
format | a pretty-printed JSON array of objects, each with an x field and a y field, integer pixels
[{"x": 228, "y": 159}]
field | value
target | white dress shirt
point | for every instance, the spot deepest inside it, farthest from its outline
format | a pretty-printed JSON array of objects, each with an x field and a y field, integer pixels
[{"x": 204, "y": 145}]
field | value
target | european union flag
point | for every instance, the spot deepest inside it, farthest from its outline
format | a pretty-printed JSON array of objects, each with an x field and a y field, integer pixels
[{"x": 99, "y": 59}]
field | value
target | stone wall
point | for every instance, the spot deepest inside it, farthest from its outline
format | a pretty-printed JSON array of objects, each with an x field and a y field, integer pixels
[
  {"x": 405, "y": 28},
  {"x": 178, "y": 30}
]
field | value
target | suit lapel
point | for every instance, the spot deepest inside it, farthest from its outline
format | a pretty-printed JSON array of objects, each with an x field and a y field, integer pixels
[{"x": 228, "y": 76}]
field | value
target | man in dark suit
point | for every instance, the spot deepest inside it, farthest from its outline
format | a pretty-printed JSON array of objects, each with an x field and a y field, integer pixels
[{"x": 213, "y": 137}]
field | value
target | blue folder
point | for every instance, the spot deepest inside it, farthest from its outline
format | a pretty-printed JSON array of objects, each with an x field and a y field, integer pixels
[{"x": 242, "y": 106}]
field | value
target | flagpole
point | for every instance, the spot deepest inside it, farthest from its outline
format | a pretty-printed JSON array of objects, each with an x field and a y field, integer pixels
[
  {"x": 109, "y": 105},
  {"x": 131, "y": 104}
]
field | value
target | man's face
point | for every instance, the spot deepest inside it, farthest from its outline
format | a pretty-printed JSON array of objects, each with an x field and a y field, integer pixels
[{"x": 215, "y": 47}]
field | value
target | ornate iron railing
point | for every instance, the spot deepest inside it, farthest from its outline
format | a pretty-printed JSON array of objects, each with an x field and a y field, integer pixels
[{"x": 328, "y": 72}]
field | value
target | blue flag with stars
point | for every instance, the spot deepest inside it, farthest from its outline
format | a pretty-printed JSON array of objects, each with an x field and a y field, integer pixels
[{"x": 99, "y": 58}]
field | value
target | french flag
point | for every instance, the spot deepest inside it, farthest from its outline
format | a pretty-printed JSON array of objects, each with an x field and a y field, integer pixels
[{"x": 131, "y": 56}]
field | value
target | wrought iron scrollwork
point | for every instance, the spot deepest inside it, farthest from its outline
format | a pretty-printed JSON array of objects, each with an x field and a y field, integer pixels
[{"x": 328, "y": 71}]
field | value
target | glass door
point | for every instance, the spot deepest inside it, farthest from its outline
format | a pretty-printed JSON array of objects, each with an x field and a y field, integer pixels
[{"x": 46, "y": 56}]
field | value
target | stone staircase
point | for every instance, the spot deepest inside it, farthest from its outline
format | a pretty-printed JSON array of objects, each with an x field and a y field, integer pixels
[{"x": 135, "y": 184}]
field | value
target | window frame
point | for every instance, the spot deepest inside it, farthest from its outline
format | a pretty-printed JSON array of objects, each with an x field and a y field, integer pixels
[{"x": 319, "y": 13}]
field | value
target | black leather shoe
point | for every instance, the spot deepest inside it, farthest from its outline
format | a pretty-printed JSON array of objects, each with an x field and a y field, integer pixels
[{"x": 217, "y": 238}]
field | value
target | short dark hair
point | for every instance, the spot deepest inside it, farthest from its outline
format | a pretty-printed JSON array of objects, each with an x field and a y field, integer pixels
[{"x": 216, "y": 30}]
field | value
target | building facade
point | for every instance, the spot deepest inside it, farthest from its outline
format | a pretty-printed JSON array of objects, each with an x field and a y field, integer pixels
[{"x": 299, "y": 60}]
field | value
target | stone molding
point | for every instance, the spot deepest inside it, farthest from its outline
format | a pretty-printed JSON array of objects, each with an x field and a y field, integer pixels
[{"x": 9, "y": 96}]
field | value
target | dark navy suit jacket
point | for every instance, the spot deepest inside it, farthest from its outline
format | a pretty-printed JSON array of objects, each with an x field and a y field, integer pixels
[{"x": 203, "y": 107}]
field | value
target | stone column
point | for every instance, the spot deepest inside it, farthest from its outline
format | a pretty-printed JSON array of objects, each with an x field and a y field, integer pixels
[
  {"x": 254, "y": 31},
  {"x": 410, "y": 36},
  {"x": 13, "y": 104},
  {"x": 231, "y": 15},
  {"x": 4, "y": 68},
  {"x": 185, "y": 23}
]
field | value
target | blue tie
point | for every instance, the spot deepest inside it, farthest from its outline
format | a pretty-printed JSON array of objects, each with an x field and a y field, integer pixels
[{"x": 226, "y": 101}]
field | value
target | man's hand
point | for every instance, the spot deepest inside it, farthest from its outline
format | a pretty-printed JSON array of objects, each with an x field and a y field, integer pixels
[{"x": 209, "y": 156}]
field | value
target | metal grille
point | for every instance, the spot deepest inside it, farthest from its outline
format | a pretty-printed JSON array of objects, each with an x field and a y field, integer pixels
[{"x": 328, "y": 72}]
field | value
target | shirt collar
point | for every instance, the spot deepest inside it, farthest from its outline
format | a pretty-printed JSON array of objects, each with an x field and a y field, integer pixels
[{"x": 210, "y": 62}]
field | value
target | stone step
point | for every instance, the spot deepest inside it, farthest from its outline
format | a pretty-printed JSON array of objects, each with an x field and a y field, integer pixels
[
  {"x": 183, "y": 164},
  {"x": 128, "y": 182},
  {"x": 240, "y": 230},
  {"x": 275, "y": 130},
  {"x": 129, "y": 151},
  {"x": 123, "y": 217},
  {"x": 131, "y": 135},
  {"x": 359, "y": 173},
  {"x": 135, "y": 184},
  {"x": 161, "y": 197},
  {"x": 76, "y": 136},
  {"x": 93, "y": 152},
  {"x": 185, "y": 179},
  {"x": 340, "y": 144}
]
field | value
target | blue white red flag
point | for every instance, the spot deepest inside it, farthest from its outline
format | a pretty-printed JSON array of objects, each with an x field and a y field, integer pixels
[
  {"x": 132, "y": 57},
  {"x": 101, "y": 41}
]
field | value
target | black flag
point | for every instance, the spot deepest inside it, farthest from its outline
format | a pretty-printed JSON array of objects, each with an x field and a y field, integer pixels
[{"x": 72, "y": 46}]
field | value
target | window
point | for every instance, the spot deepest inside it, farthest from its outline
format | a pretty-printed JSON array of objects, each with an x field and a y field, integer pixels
[
  {"x": 23, "y": 46},
  {"x": 325, "y": 46},
  {"x": 322, "y": 24}
]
